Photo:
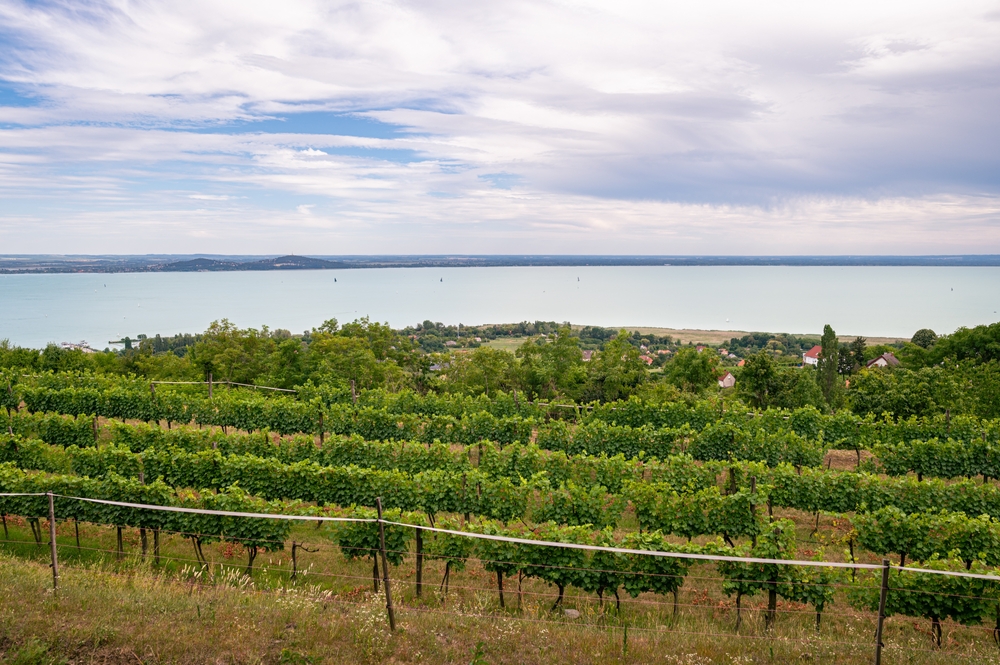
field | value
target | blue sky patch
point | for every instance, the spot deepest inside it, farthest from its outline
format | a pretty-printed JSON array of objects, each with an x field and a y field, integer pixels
[
  {"x": 313, "y": 122},
  {"x": 502, "y": 180},
  {"x": 401, "y": 156},
  {"x": 12, "y": 94}
]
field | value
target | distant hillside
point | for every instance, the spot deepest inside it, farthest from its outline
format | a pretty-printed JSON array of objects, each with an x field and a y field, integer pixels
[
  {"x": 292, "y": 262},
  {"x": 197, "y": 265},
  {"x": 281, "y": 263}
]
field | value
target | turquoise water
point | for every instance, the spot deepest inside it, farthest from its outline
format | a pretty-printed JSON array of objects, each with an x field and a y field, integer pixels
[{"x": 873, "y": 301}]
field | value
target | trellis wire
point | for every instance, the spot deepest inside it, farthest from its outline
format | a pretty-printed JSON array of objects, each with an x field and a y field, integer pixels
[{"x": 524, "y": 541}]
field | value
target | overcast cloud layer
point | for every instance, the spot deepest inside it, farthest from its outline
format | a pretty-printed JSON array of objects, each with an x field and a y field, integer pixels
[{"x": 500, "y": 127}]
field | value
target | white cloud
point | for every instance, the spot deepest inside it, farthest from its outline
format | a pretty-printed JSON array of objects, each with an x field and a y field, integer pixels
[{"x": 639, "y": 126}]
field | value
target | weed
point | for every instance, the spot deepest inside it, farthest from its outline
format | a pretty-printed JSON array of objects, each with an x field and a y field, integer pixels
[{"x": 32, "y": 653}]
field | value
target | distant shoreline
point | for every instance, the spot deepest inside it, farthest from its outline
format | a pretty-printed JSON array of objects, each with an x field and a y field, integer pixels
[{"x": 12, "y": 264}]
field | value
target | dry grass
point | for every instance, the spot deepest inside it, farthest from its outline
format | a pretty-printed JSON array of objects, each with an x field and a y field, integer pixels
[
  {"x": 505, "y": 343},
  {"x": 109, "y": 611},
  {"x": 684, "y": 336}
]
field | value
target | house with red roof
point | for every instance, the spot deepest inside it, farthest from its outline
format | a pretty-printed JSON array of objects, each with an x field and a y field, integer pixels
[
  {"x": 811, "y": 357},
  {"x": 727, "y": 380},
  {"x": 884, "y": 360}
]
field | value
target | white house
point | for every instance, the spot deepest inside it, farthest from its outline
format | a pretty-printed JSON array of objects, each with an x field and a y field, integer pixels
[
  {"x": 884, "y": 360},
  {"x": 727, "y": 380},
  {"x": 811, "y": 357}
]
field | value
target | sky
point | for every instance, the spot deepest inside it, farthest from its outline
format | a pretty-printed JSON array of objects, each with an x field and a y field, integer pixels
[{"x": 499, "y": 127}]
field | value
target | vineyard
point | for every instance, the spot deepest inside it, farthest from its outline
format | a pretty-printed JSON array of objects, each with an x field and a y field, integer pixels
[{"x": 701, "y": 517}]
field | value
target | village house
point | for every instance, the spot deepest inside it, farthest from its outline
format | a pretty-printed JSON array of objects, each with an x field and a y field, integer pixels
[
  {"x": 82, "y": 346},
  {"x": 646, "y": 359},
  {"x": 811, "y": 357},
  {"x": 727, "y": 380},
  {"x": 884, "y": 360}
]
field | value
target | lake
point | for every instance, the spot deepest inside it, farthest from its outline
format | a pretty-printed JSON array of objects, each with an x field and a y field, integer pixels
[{"x": 872, "y": 301}]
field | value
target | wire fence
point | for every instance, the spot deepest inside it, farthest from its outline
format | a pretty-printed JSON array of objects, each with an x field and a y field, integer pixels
[{"x": 382, "y": 577}]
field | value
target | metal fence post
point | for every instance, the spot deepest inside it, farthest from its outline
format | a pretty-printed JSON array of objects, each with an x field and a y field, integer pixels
[
  {"x": 52, "y": 541},
  {"x": 881, "y": 611},
  {"x": 385, "y": 566}
]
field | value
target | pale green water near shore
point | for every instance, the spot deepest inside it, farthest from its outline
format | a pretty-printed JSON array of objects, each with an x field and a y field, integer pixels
[{"x": 874, "y": 301}]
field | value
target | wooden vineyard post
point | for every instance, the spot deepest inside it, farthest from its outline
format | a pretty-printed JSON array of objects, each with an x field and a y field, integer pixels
[
  {"x": 295, "y": 561},
  {"x": 321, "y": 432},
  {"x": 465, "y": 498},
  {"x": 209, "y": 385},
  {"x": 142, "y": 529},
  {"x": 420, "y": 561},
  {"x": 881, "y": 611},
  {"x": 52, "y": 541},
  {"x": 385, "y": 567},
  {"x": 354, "y": 394}
]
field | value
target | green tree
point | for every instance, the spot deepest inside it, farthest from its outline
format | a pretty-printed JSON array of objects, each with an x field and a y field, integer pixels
[
  {"x": 552, "y": 366},
  {"x": 924, "y": 338},
  {"x": 877, "y": 392},
  {"x": 287, "y": 366},
  {"x": 858, "y": 349},
  {"x": 483, "y": 371},
  {"x": 693, "y": 371},
  {"x": 616, "y": 371},
  {"x": 798, "y": 389},
  {"x": 334, "y": 358},
  {"x": 828, "y": 376},
  {"x": 232, "y": 354},
  {"x": 980, "y": 344},
  {"x": 759, "y": 382}
]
